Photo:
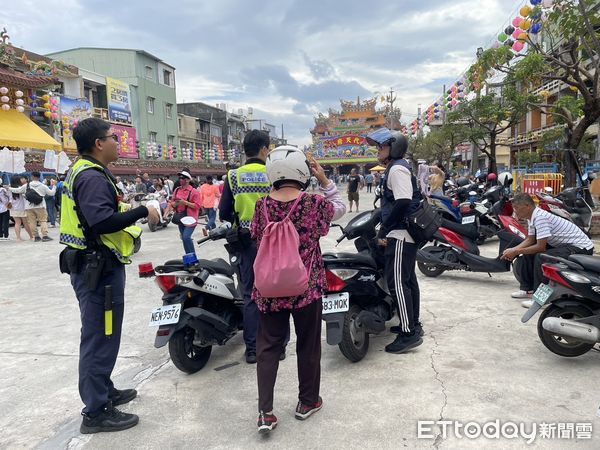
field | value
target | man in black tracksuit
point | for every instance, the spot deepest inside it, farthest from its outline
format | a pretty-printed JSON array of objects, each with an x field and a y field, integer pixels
[{"x": 400, "y": 198}]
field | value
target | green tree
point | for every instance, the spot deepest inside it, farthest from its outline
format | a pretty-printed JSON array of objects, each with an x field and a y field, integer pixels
[
  {"x": 488, "y": 116},
  {"x": 566, "y": 51},
  {"x": 440, "y": 142}
]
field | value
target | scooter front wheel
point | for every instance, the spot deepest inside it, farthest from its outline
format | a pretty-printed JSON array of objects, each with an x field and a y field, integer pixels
[
  {"x": 186, "y": 356},
  {"x": 355, "y": 342}
]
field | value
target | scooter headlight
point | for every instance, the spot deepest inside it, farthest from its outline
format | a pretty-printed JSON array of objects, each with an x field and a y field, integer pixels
[{"x": 575, "y": 277}]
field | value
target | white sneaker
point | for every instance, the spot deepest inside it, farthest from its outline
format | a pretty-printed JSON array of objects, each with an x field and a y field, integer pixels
[
  {"x": 522, "y": 294},
  {"x": 527, "y": 304}
]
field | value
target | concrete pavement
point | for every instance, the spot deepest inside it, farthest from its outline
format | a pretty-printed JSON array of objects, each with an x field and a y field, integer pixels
[{"x": 478, "y": 363}]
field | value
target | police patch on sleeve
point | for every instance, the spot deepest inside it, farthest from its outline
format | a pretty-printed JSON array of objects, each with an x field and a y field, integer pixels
[{"x": 253, "y": 177}]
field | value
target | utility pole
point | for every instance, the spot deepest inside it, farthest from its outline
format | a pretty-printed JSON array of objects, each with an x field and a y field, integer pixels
[{"x": 391, "y": 98}]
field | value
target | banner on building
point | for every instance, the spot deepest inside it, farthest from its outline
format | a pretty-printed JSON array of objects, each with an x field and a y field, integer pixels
[
  {"x": 126, "y": 141},
  {"x": 119, "y": 106},
  {"x": 72, "y": 111}
]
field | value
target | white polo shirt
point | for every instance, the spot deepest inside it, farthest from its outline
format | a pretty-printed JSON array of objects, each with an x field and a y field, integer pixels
[{"x": 558, "y": 231}]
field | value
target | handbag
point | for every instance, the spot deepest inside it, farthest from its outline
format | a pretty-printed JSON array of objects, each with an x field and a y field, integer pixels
[
  {"x": 176, "y": 219},
  {"x": 423, "y": 223}
]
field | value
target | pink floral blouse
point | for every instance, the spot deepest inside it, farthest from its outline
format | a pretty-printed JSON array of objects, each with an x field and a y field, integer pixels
[{"x": 311, "y": 218}]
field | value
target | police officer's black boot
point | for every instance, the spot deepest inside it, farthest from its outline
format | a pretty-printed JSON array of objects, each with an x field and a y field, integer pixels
[
  {"x": 109, "y": 419},
  {"x": 404, "y": 342}
]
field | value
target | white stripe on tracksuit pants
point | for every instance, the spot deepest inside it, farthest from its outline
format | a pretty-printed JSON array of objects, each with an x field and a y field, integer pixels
[{"x": 400, "y": 260}]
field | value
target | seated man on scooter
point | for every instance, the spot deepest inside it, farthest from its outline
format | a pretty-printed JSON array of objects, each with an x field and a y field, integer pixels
[{"x": 547, "y": 233}]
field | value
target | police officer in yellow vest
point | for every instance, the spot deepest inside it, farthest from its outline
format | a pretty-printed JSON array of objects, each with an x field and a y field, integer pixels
[
  {"x": 243, "y": 188},
  {"x": 100, "y": 239}
]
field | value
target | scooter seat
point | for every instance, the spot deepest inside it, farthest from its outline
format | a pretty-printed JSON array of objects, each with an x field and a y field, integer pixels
[
  {"x": 588, "y": 262},
  {"x": 217, "y": 265},
  {"x": 467, "y": 230},
  {"x": 350, "y": 258}
]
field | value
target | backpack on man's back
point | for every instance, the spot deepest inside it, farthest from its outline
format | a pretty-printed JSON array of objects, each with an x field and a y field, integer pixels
[{"x": 33, "y": 196}]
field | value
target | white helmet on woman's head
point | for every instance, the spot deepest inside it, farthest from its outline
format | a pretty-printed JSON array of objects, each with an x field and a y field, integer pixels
[{"x": 287, "y": 163}]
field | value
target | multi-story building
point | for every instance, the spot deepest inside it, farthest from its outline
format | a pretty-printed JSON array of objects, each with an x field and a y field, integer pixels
[
  {"x": 194, "y": 133},
  {"x": 227, "y": 128},
  {"x": 150, "y": 106}
]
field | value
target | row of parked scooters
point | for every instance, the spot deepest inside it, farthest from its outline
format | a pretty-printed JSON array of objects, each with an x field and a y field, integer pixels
[
  {"x": 202, "y": 305},
  {"x": 569, "y": 324}
]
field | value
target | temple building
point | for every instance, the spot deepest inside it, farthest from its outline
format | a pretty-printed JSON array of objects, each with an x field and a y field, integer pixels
[{"x": 339, "y": 138}]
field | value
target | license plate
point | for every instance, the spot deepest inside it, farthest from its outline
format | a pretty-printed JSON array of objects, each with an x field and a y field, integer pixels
[
  {"x": 334, "y": 303},
  {"x": 542, "y": 294},
  {"x": 468, "y": 219},
  {"x": 164, "y": 315}
]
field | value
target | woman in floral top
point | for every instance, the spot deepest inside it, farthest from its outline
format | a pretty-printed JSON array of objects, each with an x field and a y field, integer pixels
[{"x": 289, "y": 172}]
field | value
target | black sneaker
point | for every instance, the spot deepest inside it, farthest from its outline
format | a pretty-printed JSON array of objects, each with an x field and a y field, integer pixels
[
  {"x": 109, "y": 419},
  {"x": 251, "y": 357},
  {"x": 303, "y": 411},
  {"x": 418, "y": 329},
  {"x": 38, "y": 239},
  {"x": 120, "y": 397},
  {"x": 266, "y": 422},
  {"x": 404, "y": 342},
  {"x": 46, "y": 239}
]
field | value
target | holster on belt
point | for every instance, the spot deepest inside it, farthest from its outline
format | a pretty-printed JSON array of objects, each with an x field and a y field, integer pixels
[{"x": 238, "y": 239}]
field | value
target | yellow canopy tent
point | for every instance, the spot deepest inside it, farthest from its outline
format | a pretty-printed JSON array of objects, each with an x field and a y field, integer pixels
[
  {"x": 17, "y": 130},
  {"x": 377, "y": 169}
]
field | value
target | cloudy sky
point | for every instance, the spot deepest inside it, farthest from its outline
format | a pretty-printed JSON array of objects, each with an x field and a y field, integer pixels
[{"x": 288, "y": 59}]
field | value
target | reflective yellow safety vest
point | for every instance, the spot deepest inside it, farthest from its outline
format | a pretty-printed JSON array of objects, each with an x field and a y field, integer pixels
[
  {"x": 121, "y": 243},
  {"x": 248, "y": 184}
]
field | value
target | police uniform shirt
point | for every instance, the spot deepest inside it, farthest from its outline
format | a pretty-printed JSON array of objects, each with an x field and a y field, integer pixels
[
  {"x": 400, "y": 183},
  {"x": 95, "y": 196},
  {"x": 558, "y": 231}
]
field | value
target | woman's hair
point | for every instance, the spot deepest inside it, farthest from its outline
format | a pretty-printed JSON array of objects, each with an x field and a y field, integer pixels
[
  {"x": 436, "y": 181},
  {"x": 15, "y": 181}
]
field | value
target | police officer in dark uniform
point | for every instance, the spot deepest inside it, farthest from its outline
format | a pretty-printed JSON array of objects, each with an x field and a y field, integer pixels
[
  {"x": 401, "y": 197},
  {"x": 100, "y": 239}
]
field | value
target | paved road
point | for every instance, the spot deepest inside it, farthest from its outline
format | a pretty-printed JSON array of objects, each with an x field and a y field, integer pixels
[{"x": 478, "y": 363}]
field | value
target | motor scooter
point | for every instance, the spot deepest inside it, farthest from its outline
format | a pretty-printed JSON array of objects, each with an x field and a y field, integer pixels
[{"x": 570, "y": 322}]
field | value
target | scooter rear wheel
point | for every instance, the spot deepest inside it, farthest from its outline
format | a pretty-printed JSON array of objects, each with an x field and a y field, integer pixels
[
  {"x": 428, "y": 269},
  {"x": 563, "y": 346},
  {"x": 355, "y": 343},
  {"x": 186, "y": 356}
]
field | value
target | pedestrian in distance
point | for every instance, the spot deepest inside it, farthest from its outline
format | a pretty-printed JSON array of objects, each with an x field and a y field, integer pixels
[
  {"x": 401, "y": 196},
  {"x": 18, "y": 187},
  {"x": 369, "y": 181},
  {"x": 51, "y": 204},
  {"x": 35, "y": 205},
  {"x": 547, "y": 233},
  {"x": 210, "y": 201},
  {"x": 99, "y": 241},
  {"x": 5, "y": 207},
  {"x": 311, "y": 215},
  {"x": 355, "y": 184},
  {"x": 186, "y": 200}
]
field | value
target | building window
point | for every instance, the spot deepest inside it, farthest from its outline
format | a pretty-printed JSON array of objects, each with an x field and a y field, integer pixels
[
  {"x": 149, "y": 72},
  {"x": 150, "y": 104},
  {"x": 167, "y": 77},
  {"x": 170, "y": 140},
  {"x": 169, "y": 110},
  {"x": 152, "y": 136}
]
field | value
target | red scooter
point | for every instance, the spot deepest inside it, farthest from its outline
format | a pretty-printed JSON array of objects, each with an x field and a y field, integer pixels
[{"x": 454, "y": 247}]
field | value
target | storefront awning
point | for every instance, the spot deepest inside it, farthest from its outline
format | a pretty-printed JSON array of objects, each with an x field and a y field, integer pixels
[{"x": 17, "y": 130}]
